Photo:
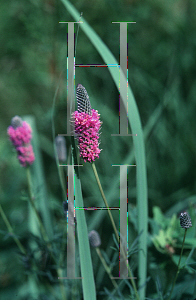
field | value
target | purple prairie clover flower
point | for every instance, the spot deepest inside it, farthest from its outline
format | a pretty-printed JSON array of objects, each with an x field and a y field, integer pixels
[
  {"x": 87, "y": 128},
  {"x": 20, "y": 134}
]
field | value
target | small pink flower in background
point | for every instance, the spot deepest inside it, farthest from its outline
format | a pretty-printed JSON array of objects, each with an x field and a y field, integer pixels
[
  {"x": 86, "y": 126},
  {"x": 20, "y": 135},
  {"x": 25, "y": 155}
]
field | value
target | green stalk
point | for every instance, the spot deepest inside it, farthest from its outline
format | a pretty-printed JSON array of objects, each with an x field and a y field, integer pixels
[
  {"x": 106, "y": 267},
  {"x": 31, "y": 198},
  {"x": 114, "y": 227},
  {"x": 11, "y": 231},
  {"x": 104, "y": 199},
  {"x": 178, "y": 269}
]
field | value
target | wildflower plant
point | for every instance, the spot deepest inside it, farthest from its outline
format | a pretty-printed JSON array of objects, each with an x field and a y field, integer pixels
[
  {"x": 86, "y": 128},
  {"x": 20, "y": 134},
  {"x": 185, "y": 223}
]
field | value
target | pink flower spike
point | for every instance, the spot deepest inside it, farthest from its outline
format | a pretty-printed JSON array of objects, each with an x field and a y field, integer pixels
[
  {"x": 87, "y": 132},
  {"x": 20, "y": 134}
]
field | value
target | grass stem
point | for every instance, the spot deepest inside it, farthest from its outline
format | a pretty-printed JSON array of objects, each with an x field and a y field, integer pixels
[
  {"x": 178, "y": 268},
  {"x": 114, "y": 227},
  {"x": 11, "y": 231}
]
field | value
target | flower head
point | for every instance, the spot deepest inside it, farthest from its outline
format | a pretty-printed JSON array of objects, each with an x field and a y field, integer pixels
[
  {"x": 20, "y": 135},
  {"x": 19, "y": 132},
  {"x": 86, "y": 126},
  {"x": 87, "y": 132},
  {"x": 185, "y": 220}
]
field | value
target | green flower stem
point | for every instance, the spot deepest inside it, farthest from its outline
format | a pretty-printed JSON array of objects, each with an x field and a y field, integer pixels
[
  {"x": 114, "y": 226},
  {"x": 105, "y": 201},
  {"x": 31, "y": 198},
  {"x": 178, "y": 269},
  {"x": 106, "y": 267},
  {"x": 11, "y": 231},
  {"x": 43, "y": 231}
]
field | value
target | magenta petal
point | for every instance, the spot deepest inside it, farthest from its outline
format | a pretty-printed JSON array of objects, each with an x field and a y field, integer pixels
[{"x": 87, "y": 131}]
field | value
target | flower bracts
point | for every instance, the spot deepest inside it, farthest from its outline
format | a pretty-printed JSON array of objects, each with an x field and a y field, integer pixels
[{"x": 83, "y": 101}]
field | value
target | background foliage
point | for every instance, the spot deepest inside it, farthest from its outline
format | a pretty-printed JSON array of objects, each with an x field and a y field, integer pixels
[{"x": 162, "y": 55}]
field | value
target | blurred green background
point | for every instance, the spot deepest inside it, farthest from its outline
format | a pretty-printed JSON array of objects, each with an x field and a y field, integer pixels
[{"x": 162, "y": 64}]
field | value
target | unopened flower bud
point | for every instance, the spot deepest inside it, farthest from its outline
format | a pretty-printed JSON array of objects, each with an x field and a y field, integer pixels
[
  {"x": 94, "y": 239},
  {"x": 185, "y": 220},
  {"x": 83, "y": 101},
  {"x": 60, "y": 143},
  {"x": 16, "y": 122}
]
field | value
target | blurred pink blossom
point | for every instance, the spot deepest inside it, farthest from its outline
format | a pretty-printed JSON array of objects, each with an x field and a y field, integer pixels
[{"x": 20, "y": 134}]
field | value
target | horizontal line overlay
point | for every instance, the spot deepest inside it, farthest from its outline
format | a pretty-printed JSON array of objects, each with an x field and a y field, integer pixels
[
  {"x": 98, "y": 65},
  {"x": 70, "y": 278},
  {"x": 124, "y": 277}
]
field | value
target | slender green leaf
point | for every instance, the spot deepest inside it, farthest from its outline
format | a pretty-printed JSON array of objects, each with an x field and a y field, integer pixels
[{"x": 88, "y": 283}]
